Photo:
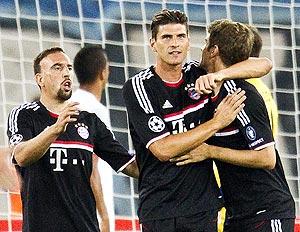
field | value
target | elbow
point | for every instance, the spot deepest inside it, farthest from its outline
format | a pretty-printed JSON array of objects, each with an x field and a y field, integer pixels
[
  {"x": 22, "y": 161},
  {"x": 270, "y": 162},
  {"x": 162, "y": 156},
  {"x": 268, "y": 65},
  {"x": 160, "y": 152},
  {"x": 270, "y": 165}
]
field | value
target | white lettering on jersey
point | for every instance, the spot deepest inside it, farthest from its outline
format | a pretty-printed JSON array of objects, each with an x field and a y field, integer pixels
[
  {"x": 57, "y": 153},
  {"x": 179, "y": 126}
]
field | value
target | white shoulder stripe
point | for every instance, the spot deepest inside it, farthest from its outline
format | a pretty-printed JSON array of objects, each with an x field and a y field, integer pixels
[
  {"x": 13, "y": 116},
  {"x": 230, "y": 86},
  {"x": 140, "y": 92}
]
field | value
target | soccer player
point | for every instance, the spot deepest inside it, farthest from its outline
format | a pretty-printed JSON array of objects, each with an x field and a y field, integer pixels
[
  {"x": 164, "y": 112},
  {"x": 92, "y": 71},
  {"x": 256, "y": 193},
  {"x": 53, "y": 143}
]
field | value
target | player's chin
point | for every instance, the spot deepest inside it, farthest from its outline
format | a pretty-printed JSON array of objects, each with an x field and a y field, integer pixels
[{"x": 65, "y": 95}]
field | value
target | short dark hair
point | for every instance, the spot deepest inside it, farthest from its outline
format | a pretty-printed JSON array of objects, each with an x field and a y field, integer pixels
[
  {"x": 89, "y": 62},
  {"x": 233, "y": 39},
  {"x": 42, "y": 55},
  {"x": 257, "y": 44},
  {"x": 166, "y": 17}
]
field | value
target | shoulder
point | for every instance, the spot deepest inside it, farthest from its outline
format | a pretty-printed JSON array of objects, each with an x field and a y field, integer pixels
[
  {"x": 140, "y": 80},
  {"x": 192, "y": 68},
  {"x": 143, "y": 75},
  {"x": 232, "y": 85},
  {"x": 25, "y": 108}
]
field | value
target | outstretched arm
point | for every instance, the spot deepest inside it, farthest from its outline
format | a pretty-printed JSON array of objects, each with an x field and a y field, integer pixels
[
  {"x": 176, "y": 144},
  {"x": 98, "y": 194},
  {"x": 250, "y": 68},
  {"x": 28, "y": 152},
  {"x": 264, "y": 158}
]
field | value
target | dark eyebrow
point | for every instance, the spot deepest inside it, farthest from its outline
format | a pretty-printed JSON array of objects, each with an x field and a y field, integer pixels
[
  {"x": 56, "y": 64},
  {"x": 60, "y": 64}
]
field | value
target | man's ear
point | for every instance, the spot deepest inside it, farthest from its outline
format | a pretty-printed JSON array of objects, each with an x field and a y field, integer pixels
[
  {"x": 214, "y": 51},
  {"x": 39, "y": 79},
  {"x": 152, "y": 44}
]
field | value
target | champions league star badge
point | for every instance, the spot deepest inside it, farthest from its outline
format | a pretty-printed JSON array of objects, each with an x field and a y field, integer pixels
[
  {"x": 82, "y": 130},
  {"x": 190, "y": 88},
  {"x": 15, "y": 139},
  {"x": 156, "y": 124}
]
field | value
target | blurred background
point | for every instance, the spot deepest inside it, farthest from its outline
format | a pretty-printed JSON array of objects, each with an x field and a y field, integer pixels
[{"x": 122, "y": 28}]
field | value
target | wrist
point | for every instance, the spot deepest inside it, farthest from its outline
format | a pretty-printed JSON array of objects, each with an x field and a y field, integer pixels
[
  {"x": 221, "y": 75},
  {"x": 54, "y": 129},
  {"x": 216, "y": 124}
]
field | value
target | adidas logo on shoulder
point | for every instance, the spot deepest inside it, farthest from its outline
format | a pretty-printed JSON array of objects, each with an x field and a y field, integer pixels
[{"x": 167, "y": 105}]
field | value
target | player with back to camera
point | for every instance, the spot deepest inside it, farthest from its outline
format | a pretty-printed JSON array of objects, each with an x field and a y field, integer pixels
[
  {"x": 53, "y": 143},
  {"x": 164, "y": 114},
  {"x": 92, "y": 71},
  {"x": 256, "y": 193}
]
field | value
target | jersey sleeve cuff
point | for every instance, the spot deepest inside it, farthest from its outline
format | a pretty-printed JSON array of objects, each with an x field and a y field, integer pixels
[
  {"x": 157, "y": 138},
  {"x": 125, "y": 165}
]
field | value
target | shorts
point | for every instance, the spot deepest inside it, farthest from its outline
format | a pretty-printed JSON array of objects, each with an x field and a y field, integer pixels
[
  {"x": 200, "y": 222},
  {"x": 268, "y": 225}
]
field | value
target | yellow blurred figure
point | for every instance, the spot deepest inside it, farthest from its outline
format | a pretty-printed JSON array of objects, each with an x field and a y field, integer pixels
[
  {"x": 266, "y": 94},
  {"x": 260, "y": 85},
  {"x": 269, "y": 101}
]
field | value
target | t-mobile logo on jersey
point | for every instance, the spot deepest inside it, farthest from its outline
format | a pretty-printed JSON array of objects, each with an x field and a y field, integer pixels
[
  {"x": 180, "y": 127},
  {"x": 59, "y": 157}
]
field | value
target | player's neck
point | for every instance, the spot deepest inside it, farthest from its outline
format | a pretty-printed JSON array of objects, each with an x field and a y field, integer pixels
[
  {"x": 169, "y": 73},
  {"x": 94, "y": 88},
  {"x": 53, "y": 105}
]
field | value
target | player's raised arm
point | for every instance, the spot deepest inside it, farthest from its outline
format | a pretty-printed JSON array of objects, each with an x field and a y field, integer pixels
[
  {"x": 251, "y": 68},
  {"x": 28, "y": 152}
]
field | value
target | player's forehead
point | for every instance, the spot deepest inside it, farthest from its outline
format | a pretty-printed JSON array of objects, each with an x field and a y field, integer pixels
[
  {"x": 55, "y": 58},
  {"x": 172, "y": 29}
]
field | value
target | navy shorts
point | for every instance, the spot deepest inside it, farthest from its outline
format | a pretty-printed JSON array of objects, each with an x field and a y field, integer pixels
[
  {"x": 201, "y": 222},
  {"x": 272, "y": 225}
]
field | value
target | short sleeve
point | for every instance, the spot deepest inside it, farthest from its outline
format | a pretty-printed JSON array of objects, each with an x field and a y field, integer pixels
[
  {"x": 109, "y": 149},
  {"x": 254, "y": 122},
  {"x": 143, "y": 113},
  {"x": 19, "y": 126}
]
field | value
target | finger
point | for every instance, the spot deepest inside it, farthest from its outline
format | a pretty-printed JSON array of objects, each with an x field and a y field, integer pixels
[
  {"x": 181, "y": 163},
  {"x": 239, "y": 98},
  {"x": 212, "y": 83},
  {"x": 239, "y": 102},
  {"x": 239, "y": 109},
  {"x": 179, "y": 158},
  {"x": 232, "y": 98},
  {"x": 200, "y": 86},
  {"x": 72, "y": 103}
]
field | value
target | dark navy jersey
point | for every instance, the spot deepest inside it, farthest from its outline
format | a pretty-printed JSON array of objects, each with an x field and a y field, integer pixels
[
  {"x": 250, "y": 192},
  {"x": 157, "y": 109},
  {"x": 56, "y": 193}
]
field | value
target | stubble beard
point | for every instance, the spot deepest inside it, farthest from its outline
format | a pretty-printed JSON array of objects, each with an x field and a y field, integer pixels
[{"x": 63, "y": 95}]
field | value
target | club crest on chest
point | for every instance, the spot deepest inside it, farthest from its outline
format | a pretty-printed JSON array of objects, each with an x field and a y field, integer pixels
[
  {"x": 191, "y": 91},
  {"x": 82, "y": 130}
]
